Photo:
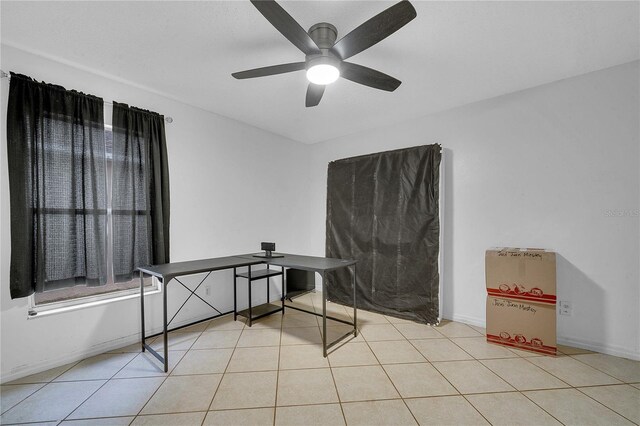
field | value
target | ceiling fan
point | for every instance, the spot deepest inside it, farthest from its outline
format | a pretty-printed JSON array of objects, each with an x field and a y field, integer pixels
[{"x": 324, "y": 57}]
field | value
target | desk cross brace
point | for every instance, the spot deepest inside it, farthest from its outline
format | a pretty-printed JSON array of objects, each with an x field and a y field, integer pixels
[
  {"x": 145, "y": 347},
  {"x": 193, "y": 293},
  {"x": 318, "y": 315}
]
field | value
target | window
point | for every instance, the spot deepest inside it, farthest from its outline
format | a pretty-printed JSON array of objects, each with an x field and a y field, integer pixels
[
  {"x": 86, "y": 208},
  {"x": 80, "y": 294}
]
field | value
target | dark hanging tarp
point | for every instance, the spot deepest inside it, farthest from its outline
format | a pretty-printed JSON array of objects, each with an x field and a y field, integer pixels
[{"x": 383, "y": 210}]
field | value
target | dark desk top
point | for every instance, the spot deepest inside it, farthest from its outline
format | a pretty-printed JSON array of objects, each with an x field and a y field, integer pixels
[
  {"x": 307, "y": 263},
  {"x": 170, "y": 270},
  {"x": 167, "y": 271}
]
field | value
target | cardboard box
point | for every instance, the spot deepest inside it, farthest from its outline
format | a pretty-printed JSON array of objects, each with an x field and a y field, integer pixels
[
  {"x": 521, "y": 274},
  {"x": 520, "y": 324}
]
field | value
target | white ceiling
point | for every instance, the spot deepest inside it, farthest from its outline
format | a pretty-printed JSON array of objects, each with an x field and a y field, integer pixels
[{"x": 452, "y": 54}]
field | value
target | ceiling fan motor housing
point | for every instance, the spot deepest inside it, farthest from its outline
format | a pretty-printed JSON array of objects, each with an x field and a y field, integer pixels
[{"x": 324, "y": 35}]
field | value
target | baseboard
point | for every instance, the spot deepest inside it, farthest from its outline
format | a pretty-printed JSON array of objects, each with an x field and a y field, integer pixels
[
  {"x": 478, "y": 322},
  {"x": 68, "y": 358},
  {"x": 79, "y": 355},
  {"x": 599, "y": 347},
  {"x": 562, "y": 340}
]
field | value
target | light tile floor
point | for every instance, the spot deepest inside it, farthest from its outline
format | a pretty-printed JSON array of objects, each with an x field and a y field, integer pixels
[{"x": 395, "y": 372}]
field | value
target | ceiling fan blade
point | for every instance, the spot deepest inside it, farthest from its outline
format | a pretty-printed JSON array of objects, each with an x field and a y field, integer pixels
[
  {"x": 368, "y": 77},
  {"x": 375, "y": 29},
  {"x": 271, "y": 70},
  {"x": 288, "y": 26},
  {"x": 314, "y": 94}
]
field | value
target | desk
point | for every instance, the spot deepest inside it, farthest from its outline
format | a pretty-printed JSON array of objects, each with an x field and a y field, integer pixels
[{"x": 168, "y": 271}]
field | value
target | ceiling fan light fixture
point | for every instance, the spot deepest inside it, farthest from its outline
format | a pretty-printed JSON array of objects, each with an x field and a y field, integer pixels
[{"x": 323, "y": 74}]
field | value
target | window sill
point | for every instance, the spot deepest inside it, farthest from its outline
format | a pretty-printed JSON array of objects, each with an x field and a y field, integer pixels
[{"x": 39, "y": 312}]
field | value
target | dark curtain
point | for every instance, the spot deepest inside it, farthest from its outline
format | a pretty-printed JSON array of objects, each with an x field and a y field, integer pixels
[
  {"x": 382, "y": 209},
  {"x": 140, "y": 194},
  {"x": 57, "y": 182}
]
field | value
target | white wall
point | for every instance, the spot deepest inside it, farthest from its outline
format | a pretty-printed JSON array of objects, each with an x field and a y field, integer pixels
[
  {"x": 537, "y": 168},
  {"x": 232, "y": 186}
]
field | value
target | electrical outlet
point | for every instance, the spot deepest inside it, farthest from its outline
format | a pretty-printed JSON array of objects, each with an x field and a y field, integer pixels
[
  {"x": 207, "y": 290},
  {"x": 565, "y": 307}
]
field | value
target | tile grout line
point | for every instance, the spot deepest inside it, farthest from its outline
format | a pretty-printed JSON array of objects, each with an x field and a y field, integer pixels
[
  {"x": 45, "y": 383},
  {"x": 540, "y": 406},
  {"x": 275, "y": 402},
  {"x": 464, "y": 395},
  {"x": 412, "y": 345},
  {"x": 595, "y": 368},
  {"x": 213, "y": 397},
  {"x": 526, "y": 396},
  {"x": 389, "y": 378},
  {"x": 168, "y": 373},
  {"x": 470, "y": 354},
  {"x": 184, "y": 375},
  {"x": 517, "y": 390},
  {"x": 609, "y": 385},
  {"x": 532, "y": 401},
  {"x": 27, "y": 396},
  {"x": 461, "y": 394},
  {"x": 433, "y": 396},
  {"x": 480, "y": 393},
  {"x": 554, "y": 375},
  {"x": 96, "y": 391},
  {"x": 609, "y": 408},
  {"x": 335, "y": 385},
  {"x": 568, "y": 386},
  {"x": 475, "y": 408}
]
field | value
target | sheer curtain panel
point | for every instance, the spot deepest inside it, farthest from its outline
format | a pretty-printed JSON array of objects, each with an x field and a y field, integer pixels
[
  {"x": 57, "y": 181},
  {"x": 140, "y": 192}
]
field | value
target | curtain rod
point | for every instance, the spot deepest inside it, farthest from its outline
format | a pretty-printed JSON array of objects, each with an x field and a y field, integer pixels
[{"x": 5, "y": 75}]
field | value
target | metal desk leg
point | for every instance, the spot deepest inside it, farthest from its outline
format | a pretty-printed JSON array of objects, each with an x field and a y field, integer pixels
[
  {"x": 355, "y": 310},
  {"x": 235, "y": 297},
  {"x": 324, "y": 316},
  {"x": 166, "y": 337},
  {"x": 143, "y": 342},
  {"x": 268, "y": 285},
  {"x": 249, "y": 284},
  {"x": 142, "y": 308},
  {"x": 284, "y": 288}
]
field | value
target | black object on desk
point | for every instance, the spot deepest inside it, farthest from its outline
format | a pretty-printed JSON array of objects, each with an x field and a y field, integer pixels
[
  {"x": 299, "y": 282},
  {"x": 167, "y": 272},
  {"x": 268, "y": 248}
]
